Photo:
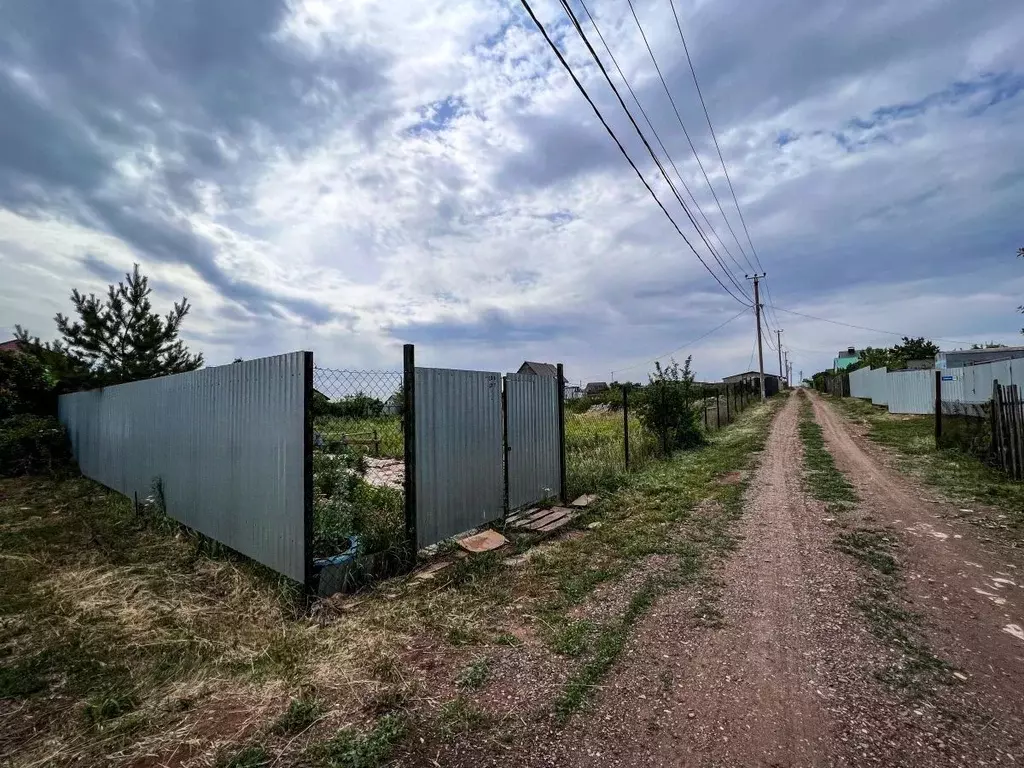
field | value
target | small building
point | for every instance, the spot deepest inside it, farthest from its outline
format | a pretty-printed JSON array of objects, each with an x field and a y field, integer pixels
[
  {"x": 393, "y": 405},
  {"x": 11, "y": 346},
  {"x": 961, "y": 358},
  {"x": 596, "y": 388},
  {"x": 538, "y": 369},
  {"x": 573, "y": 392},
  {"x": 771, "y": 381},
  {"x": 845, "y": 359}
]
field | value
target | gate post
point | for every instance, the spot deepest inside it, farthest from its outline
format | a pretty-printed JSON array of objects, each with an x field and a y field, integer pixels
[
  {"x": 728, "y": 407},
  {"x": 938, "y": 408},
  {"x": 409, "y": 441},
  {"x": 560, "y": 383},
  {"x": 505, "y": 447}
]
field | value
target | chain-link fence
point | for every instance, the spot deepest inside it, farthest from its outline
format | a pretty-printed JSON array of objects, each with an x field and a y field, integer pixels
[
  {"x": 612, "y": 432},
  {"x": 358, "y": 474}
]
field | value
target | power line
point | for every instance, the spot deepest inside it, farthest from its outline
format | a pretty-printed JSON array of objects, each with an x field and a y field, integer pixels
[
  {"x": 863, "y": 327},
  {"x": 721, "y": 158},
  {"x": 684, "y": 346},
  {"x": 686, "y": 133},
  {"x": 600, "y": 117},
  {"x": 707, "y": 116},
  {"x": 661, "y": 144},
  {"x": 597, "y": 59}
]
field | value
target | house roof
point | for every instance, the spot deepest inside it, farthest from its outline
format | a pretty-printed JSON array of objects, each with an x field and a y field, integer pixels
[
  {"x": 10, "y": 346},
  {"x": 596, "y": 386},
  {"x": 751, "y": 373},
  {"x": 539, "y": 369}
]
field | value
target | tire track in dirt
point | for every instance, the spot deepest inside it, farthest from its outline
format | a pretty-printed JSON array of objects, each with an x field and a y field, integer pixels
[
  {"x": 787, "y": 677},
  {"x": 970, "y": 593}
]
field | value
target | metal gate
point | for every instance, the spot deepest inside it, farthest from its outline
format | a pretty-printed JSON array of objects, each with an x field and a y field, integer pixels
[
  {"x": 532, "y": 438},
  {"x": 458, "y": 463}
]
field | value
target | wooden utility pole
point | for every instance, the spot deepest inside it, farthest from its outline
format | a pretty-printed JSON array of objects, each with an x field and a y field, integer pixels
[
  {"x": 757, "y": 311},
  {"x": 785, "y": 369},
  {"x": 782, "y": 371}
]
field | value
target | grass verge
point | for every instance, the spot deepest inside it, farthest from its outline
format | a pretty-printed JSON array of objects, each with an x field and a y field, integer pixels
[
  {"x": 964, "y": 480},
  {"x": 915, "y": 669}
]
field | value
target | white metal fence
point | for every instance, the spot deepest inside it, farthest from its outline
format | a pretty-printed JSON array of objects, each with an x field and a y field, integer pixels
[
  {"x": 227, "y": 446},
  {"x": 914, "y": 391},
  {"x": 911, "y": 391}
]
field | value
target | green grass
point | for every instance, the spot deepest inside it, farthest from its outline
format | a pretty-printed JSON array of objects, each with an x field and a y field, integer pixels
[
  {"x": 475, "y": 675},
  {"x": 915, "y": 669},
  {"x": 388, "y": 428},
  {"x": 459, "y": 717},
  {"x": 351, "y": 748},
  {"x": 822, "y": 478},
  {"x": 301, "y": 713},
  {"x": 964, "y": 479},
  {"x": 253, "y": 756}
]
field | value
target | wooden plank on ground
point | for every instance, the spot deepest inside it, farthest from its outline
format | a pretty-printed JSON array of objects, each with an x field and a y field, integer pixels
[
  {"x": 555, "y": 514},
  {"x": 558, "y": 522}
]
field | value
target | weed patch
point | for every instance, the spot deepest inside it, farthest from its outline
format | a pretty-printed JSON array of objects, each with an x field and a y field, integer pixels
[
  {"x": 351, "y": 748},
  {"x": 301, "y": 714}
]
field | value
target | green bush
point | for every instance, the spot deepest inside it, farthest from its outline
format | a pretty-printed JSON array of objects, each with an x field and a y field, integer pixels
[
  {"x": 666, "y": 409},
  {"x": 24, "y": 386},
  {"x": 32, "y": 445}
]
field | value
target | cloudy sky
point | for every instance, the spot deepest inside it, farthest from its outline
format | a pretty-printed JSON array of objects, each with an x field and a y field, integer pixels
[{"x": 346, "y": 176}]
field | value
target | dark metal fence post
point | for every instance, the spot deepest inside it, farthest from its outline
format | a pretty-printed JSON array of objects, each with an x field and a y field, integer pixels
[
  {"x": 561, "y": 433},
  {"x": 938, "y": 408},
  {"x": 505, "y": 447},
  {"x": 718, "y": 413},
  {"x": 704, "y": 406},
  {"x": 307, "y": 472},
  {"x": 625, "y": 422},
  {"x": 409, "y": 440},
  {"x": 728, "y": 407}
]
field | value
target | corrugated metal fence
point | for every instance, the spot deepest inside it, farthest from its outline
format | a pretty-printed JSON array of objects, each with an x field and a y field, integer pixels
[
  {"x": 860, "y": 383},
  {"x": 459, "y": 470},
  {"x": 227, "y": 445},
  {"x": 532, "y": 438},
  {"x": 914, "y": 391},
  {"x": 911, "y": 391}
]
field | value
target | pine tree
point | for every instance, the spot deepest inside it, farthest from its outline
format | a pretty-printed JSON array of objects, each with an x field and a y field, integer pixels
[{"x": 115, "y": 339}]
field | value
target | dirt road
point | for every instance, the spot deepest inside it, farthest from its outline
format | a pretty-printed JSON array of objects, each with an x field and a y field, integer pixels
[
  {"x": 967, "y": 586},
  {"x": 786, "y": 676}
]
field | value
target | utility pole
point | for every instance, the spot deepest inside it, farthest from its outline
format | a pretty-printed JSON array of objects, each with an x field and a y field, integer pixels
[
  {"x": 757, "y": 311},
  {"x": 785, "y": 370},
  {"x": 789, "y": 372},
  {"x": 782, "y": 371}
]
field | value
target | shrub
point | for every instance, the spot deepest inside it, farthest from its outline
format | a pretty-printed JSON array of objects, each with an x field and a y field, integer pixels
[
  {"x": 24, "y": 386},
  {"x": 31, "y": 445},
  {"x": 667, "y": 407}
]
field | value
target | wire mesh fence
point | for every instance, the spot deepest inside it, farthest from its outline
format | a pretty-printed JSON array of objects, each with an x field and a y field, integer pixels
[
  {"x": 358, "y": 474},
  {"x": 608, "y": 434}
]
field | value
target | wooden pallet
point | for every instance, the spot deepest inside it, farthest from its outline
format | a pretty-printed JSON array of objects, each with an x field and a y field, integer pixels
[{"x": 541, "y": 520}]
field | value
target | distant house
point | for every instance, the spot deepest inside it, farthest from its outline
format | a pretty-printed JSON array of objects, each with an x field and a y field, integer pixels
[
  {"x": 572, "y": 392},
  {"x": 11, "y": 346},
  {"x": 538, "y": 369},
  {"x": 771, "y": 381},
  {"x": 393, "y": 405},
  {"x": 847, "y": 358},
  {"x": 961, "y": 358},
  {"x": 595, "y": 387}
]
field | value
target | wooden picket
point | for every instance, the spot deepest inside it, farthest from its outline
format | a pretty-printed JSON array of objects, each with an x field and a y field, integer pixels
[{"x": 1008, "y": 429}]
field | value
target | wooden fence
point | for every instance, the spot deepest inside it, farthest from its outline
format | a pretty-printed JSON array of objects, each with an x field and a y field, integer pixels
[{"x": 1008, "y": 429}]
